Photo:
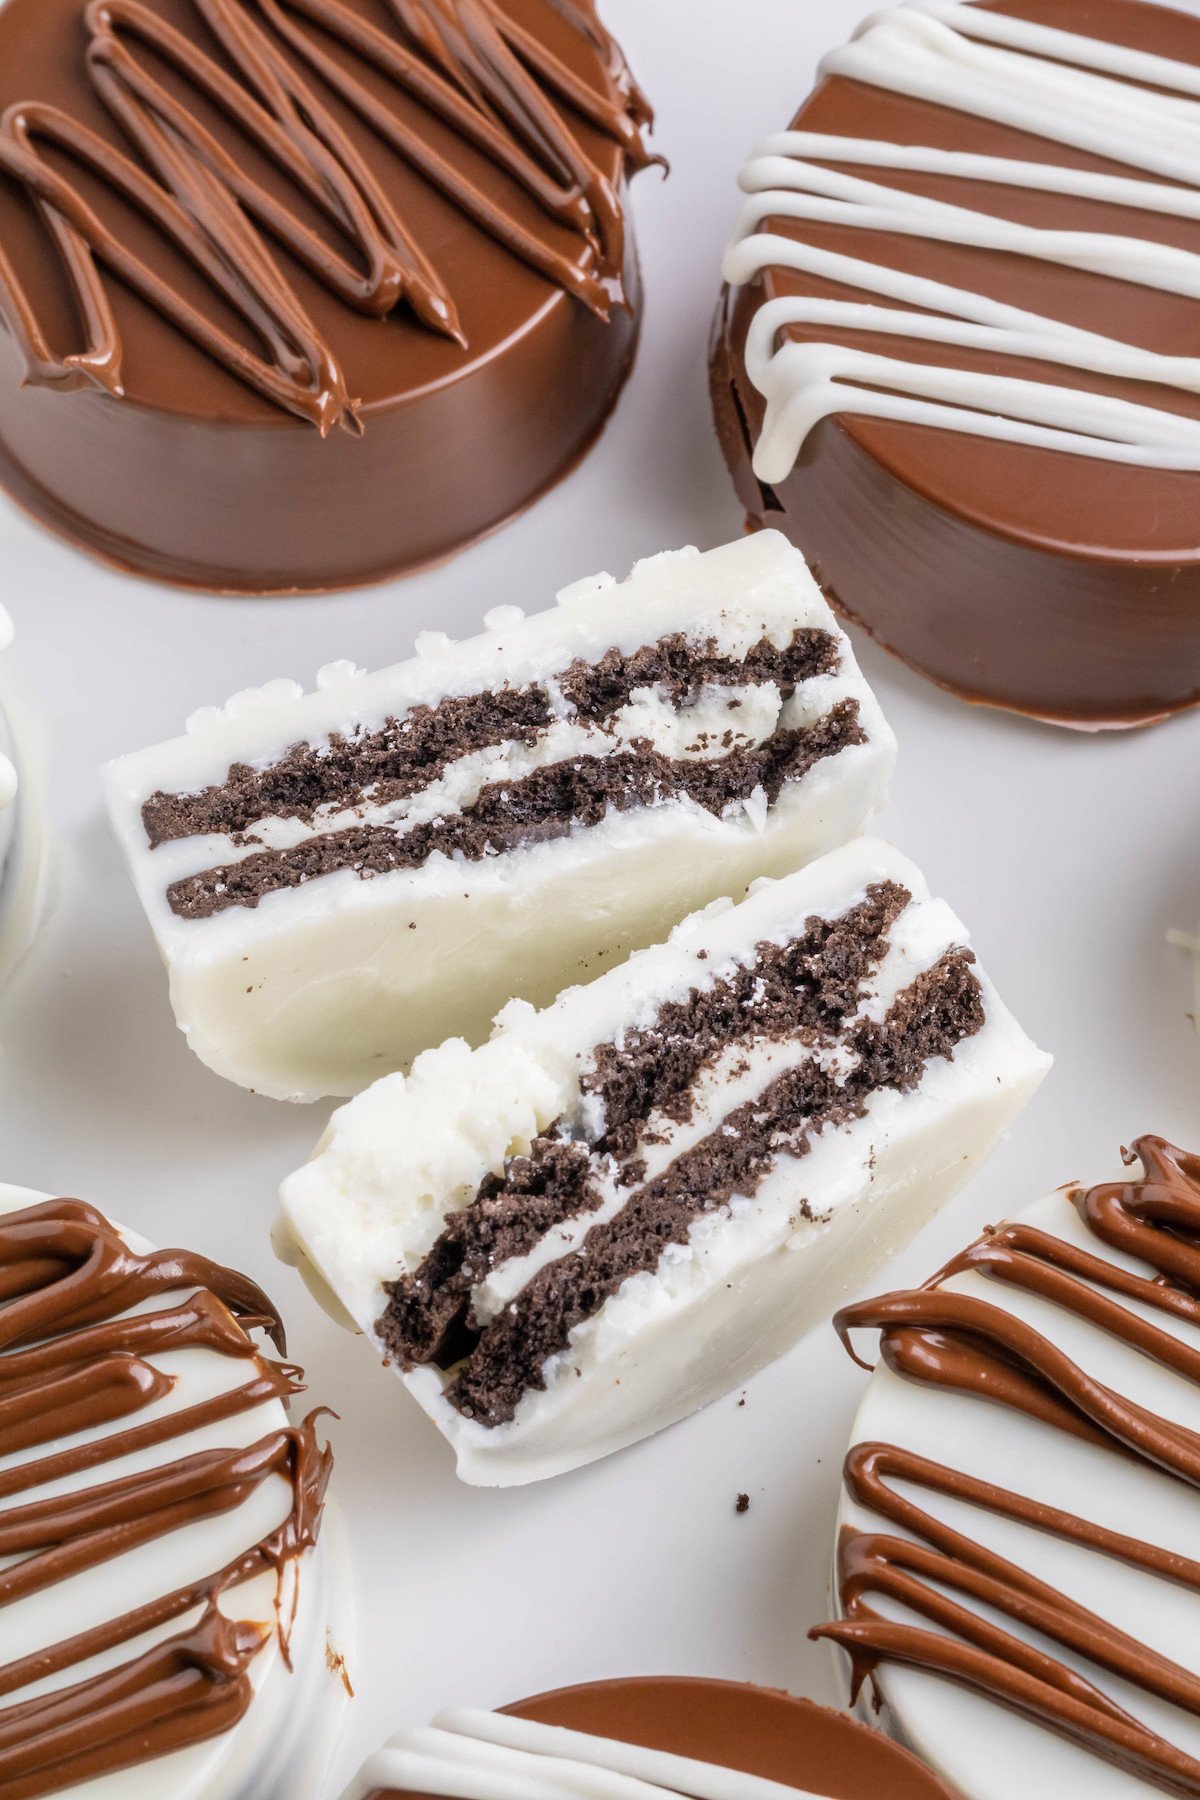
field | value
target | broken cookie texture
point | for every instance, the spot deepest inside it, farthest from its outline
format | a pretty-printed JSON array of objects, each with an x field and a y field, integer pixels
[
  {"x": 535, "y": 808},
  {"x": 622, "y": 1205},
  {"x": 338, "y": 880},
  {"x": 406, "y": 753}
]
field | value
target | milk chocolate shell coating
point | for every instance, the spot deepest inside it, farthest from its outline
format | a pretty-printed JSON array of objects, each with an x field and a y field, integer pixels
[
  {"x": 1028, "y": 578},
  {"x": 413, "y": 318},
  {"x": 1021, "y": 1485},
  {"x": 756, "y": 1730}
]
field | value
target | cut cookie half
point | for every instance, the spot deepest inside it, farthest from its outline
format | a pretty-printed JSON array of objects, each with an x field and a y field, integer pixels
[
  {"x": 338, "y": 880},
  {"x": 621, "y": 1206}
]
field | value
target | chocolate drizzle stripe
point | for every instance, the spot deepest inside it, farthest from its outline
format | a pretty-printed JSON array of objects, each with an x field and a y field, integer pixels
[
  {"x": 539, "y": 807},
  {"x": 182, "y": 1692},
  {"x": 406, "y": 753},
  {"x": 489, "y": 82},
  {"x": 805, "y": 989},
  {"x": 274, "y": 1383},
  {"x": 960, "y": 1342},
  {"x": 73, "y": 1362}
]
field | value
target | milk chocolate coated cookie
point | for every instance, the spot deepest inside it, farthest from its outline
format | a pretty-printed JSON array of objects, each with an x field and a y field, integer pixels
[
  {"x": 299, "y": 293},
  {"x": 956, "y": 358}
]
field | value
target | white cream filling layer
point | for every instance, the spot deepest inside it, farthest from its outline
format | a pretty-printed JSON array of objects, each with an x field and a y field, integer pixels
[
  {"x": 732, "y": 1080},
  {"x": 737, "y": 595},
  {"x": 684, "y": 734},
  {"x": 737, "y": 1076},
  {"x": 410, "y": 1148}
]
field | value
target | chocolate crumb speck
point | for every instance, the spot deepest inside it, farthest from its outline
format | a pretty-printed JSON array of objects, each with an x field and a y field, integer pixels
[
  {"x": 742, "y": 1503},
  {"x": 335, "y": 1662}
]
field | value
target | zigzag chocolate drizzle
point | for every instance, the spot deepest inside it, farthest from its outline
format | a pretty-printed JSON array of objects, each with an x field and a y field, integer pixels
[
  {"x": 472, "y": 67},
  {"x": 74, "y": 1361},
  {"x": 959, "y": 1341}
]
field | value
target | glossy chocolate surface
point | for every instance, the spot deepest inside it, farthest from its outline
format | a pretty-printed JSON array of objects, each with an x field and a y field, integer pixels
[
  {"x": 1050, "y": 583},
  {"x": 272, "y": 391},
  {"x": 759, "y": 1731}
]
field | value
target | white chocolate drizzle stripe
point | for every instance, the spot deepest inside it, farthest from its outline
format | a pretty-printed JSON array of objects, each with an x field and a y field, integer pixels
[
  {"x": 472, "y": 1755},
  {"x": 924, "y": 49}
]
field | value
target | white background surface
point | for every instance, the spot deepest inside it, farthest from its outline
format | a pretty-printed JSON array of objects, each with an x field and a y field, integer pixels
[{"x": 1069, "y": 856}]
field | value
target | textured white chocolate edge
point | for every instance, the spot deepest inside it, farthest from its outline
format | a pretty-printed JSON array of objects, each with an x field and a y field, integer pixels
[
  {"x": 394, "y": 1159},
  {"x": 985, "y": 1751},
  {"x": 1067, "y": 89},
  {"x": 737, "y": 593},
  {"x": 473, "y": 1755},
  {"x": 264, "y": 1748}
]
